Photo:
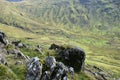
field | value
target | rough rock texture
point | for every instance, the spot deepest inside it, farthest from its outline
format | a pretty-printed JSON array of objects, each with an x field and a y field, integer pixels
[
  {"x": 74, "y": 56},
  {"x": 34, "y": 69}
]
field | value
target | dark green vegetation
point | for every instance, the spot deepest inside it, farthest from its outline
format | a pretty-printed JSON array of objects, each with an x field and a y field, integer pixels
[{"x": 90, "y": 24}]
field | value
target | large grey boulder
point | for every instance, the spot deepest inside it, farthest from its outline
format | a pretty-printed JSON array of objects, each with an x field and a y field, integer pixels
[
  {"x": 60, "y": 72},
  {"x": 34, "y": 69},
  {"x": 50, "y": 62},
  {"x": 3, "y": 60},
  {"x": 57, "y": 70},
  {"x": 71, "y": 56}
]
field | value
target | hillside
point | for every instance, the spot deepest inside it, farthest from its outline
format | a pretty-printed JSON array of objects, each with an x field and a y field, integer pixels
[
  {"x": 89, "y": 13},
  {"x": 44, "y": 16},
  {"x": 90, "y": 24}
]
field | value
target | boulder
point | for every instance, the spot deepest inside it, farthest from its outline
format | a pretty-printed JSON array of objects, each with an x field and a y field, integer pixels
[
  {"x": 34, "y": 69},
  {"x": 50, "y": 61},
  {"x": 3, "y": 61},
  {"x": 18, "y": 63},
  {"x": 71, "y": 56}
]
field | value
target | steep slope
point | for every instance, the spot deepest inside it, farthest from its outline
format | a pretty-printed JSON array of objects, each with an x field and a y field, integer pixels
[
  {"x": 99, "y": 13},
  {"x": 90, "y": 24},
  {"x": 41, "y": 15}
]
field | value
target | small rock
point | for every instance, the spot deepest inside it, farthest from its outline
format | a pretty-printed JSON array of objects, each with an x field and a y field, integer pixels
[{"x": 18, "y": 63}]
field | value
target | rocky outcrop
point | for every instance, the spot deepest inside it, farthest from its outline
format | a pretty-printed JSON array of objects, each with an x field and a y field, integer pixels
[
  {"x": 3, "y": 61},
  {"x": 34, "y": 69},
  {"x": 73, "y": 56},
  {"x": 54, "y": 71}
]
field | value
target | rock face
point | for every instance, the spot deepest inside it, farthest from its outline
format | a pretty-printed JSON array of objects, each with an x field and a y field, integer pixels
[
  {"x": 57, "y": 70},
  {"x": 74, "y": 57},
  {"x": 50, "y": 62},
  {"x": 34, "y": 69},
  {"x": 3, "y": 38},
  {"x": 2, "y": 60},
  {"x": 46, "y": 75},
  {"x": 60, "y": 72}
]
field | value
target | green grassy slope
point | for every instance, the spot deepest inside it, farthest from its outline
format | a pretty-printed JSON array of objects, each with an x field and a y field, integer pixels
[
  {"x": 102, "y": 14},
  {"x": 6, "y": 73},
  {"x": 98, "y": 52},
  {"x": 90, "y": 24}
]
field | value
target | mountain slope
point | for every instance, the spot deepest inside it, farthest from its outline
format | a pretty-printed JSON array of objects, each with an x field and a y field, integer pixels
[
  {"x": 78, "y": 12},
  {"x": 32, "y": 15},
  {"x": 90, "y": 24}
]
